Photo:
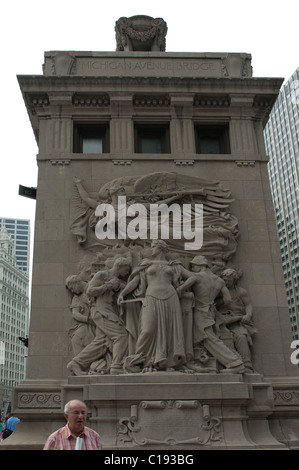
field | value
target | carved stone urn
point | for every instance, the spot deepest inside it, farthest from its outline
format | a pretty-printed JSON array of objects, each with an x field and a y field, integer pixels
[{"x": 140, "y": 33}]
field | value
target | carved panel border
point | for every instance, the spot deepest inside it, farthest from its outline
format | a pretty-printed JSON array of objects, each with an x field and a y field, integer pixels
[
  {"x": 151, "y": 420},
  {"x": 40, "y": 399},
  {"x": 286, "y": 397}
]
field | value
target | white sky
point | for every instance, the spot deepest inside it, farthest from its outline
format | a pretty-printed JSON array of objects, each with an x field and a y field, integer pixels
[{"x": 266, "y": 29}]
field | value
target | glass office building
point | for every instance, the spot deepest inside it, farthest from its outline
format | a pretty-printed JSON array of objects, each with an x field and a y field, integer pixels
[
  {"x": 14, "y": 318},
  {"x": 19, "y": 230},
  {"x": 282, "y": 146}
]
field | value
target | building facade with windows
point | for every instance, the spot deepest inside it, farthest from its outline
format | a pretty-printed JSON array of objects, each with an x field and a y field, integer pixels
[
  {"x": 19, "y": 230},
  {"x": 14, "y": 311},
  {"x": 282, "y": 145}
]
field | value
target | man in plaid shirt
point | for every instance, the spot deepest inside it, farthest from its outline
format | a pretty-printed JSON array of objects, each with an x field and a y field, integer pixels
[{"x": 74, "y": 435}]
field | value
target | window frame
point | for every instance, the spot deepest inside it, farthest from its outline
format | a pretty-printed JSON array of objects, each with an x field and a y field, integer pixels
[
  {"x": 83, "y": 129},
  {"x": 156, "y": 129},
  {"x": 220, "y": 131}
]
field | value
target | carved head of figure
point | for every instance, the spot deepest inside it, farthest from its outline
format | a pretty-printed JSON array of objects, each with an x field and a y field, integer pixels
[
  {"x": 159, "y": 246},
  {"x": 199, "y": 262},
  {"x": 231, "y": 276},
  {"x": 122, "y": 266},
  {"x": 75, "y": 284}
]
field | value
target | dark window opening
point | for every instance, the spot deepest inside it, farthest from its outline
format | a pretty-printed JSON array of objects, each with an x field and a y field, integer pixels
[
  {"x": 91, "y": 138},
  {"x": 152, "y": 138},
  {"x": 212, "y": 139}
]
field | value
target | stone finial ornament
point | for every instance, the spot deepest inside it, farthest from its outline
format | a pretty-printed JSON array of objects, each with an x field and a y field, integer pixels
[{"x": 140, "y": 33}]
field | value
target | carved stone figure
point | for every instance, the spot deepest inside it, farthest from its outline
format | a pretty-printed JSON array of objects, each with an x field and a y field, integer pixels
[
  {"x": 237, "y": 315},
  {"x": 160, "y": 343},
  {"x": 140, "y": 33},
  {"x": 164, "y": 317},
  {"x": 111, "y": 333},
  {"x": 207, "y": 287},
  {"x": 82, "y": 333}
]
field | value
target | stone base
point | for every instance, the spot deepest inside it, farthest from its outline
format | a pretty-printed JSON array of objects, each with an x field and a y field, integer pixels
[{"x": 157, "y": 410}]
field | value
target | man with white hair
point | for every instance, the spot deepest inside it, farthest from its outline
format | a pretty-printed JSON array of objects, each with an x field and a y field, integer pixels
[{"x": 74, "y": 435}]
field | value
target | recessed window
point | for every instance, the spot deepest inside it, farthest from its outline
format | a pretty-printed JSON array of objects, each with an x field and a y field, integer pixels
[
  {"x": 212, "y": 139},
  {"x": 152, "y": 138},
  {"x": 91, "y": 138}
]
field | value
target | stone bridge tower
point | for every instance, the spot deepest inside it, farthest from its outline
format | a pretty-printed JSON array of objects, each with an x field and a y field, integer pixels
[{"x": 156, "y": 127}]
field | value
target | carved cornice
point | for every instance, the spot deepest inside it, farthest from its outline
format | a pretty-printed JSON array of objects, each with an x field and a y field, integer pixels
[
  {"x": 122, "y": 162},
  {"x": 245, "y": 162},
  {"x": 263, "y": 102},
  {"x": 151, "y": 100},
  {"x": 82, "y": 99},
  {"x": 184, "y": 162},
  {"x": 37, "y": 101},
  {"x": 211, "y": 101},
  {"x": 60, "y": 162},
  {"x": 231, "y": 85}
]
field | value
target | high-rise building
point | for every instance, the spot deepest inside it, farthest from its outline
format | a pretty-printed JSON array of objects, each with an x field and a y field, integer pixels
[
  {"x": 14, "y": 313},
  {"x": 19, "y": 230},
  {"x": 282, "y": 144}
]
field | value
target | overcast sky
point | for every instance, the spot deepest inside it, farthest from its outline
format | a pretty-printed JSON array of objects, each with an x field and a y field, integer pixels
[{"x": 266, "y": 29}]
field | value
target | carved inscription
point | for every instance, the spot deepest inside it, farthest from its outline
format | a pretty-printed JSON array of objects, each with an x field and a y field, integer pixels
[{"x": 200, "y": 67}]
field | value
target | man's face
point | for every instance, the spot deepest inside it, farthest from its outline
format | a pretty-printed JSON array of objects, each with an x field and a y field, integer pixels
[{"x": 76, "y": 417}]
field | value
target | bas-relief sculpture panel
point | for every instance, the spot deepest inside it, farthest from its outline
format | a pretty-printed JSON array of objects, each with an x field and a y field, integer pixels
[{"x": 148, "y": 304}]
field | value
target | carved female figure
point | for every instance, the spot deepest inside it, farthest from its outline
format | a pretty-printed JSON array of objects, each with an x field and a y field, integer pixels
[{"x": 160, "y": 343}]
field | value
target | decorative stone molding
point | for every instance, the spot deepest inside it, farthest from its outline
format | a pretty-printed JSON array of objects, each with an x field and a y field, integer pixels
[
  {"x": 286, "y": 397},
  {"x": 60, "y": 162},
  {"x": 211, "y": 101},
  {"x": 184, "y": 162},
  {"x": 151, "y": 100},
  {"x": 41, "y": 100},
  {"x": 91, "y": 100},
  {"x": 263, "y": 102},
  {"x": 37, "y": 101},
  {"x": 236, "y": 65},
  {"x": 39, "y": 400},
  {"x": 245, "y": 162},
  {"x": 146, "y": 425},
  {"x": 122, "y": 162},
  {"x": 63, "y": 63}
]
